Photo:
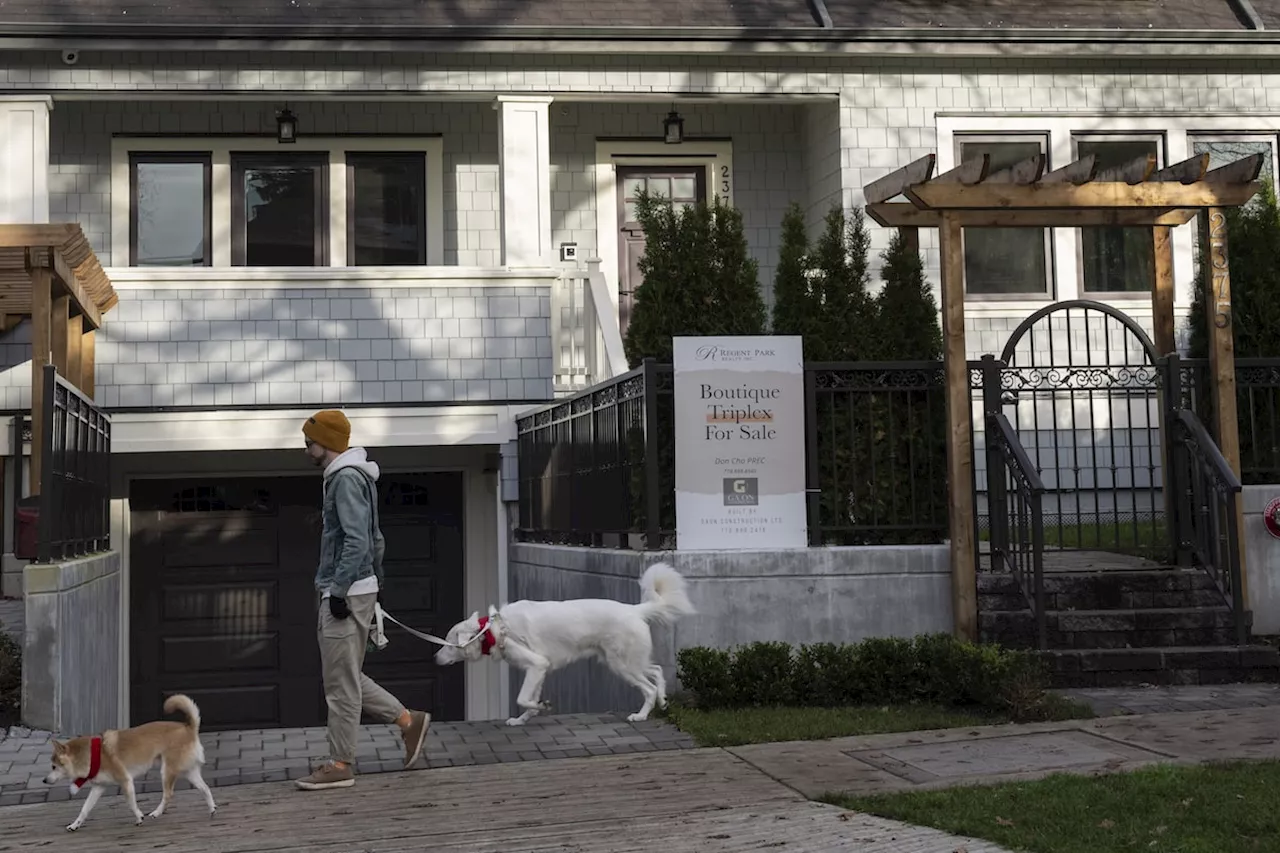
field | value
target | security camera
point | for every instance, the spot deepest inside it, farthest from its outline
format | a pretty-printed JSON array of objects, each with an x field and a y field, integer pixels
[{"x": 70, "y": 57}]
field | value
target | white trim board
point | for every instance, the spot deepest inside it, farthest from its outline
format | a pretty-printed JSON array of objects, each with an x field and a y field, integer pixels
[
  {"x": 1176, "y": 133},
  {"x": 220, "y": 149},
  {"x": 716, "y": 156},
  {"x": 171, "y": 279},
  {"x": 281, "y": 429}
]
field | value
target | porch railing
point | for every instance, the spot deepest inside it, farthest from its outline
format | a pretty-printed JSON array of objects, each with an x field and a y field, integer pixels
[
  {"x": 1208, "y": 496},
  {"x": 589, "y": 465},
  {"x": 1016, "y": 494},
  {"x": 598, "y": 468},
  {"x": 75, "y": 483},
  {"x": 586, "y": 338}
]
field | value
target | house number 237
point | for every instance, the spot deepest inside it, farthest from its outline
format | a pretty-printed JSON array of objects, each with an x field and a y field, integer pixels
[{"x": 724, "y": 184}]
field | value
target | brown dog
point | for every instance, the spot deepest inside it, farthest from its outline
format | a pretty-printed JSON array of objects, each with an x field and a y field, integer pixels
[{"x": 118, "y": 756}]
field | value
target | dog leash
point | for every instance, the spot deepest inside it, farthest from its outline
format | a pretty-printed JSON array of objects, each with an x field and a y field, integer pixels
[{"x": 431, "y": 638}]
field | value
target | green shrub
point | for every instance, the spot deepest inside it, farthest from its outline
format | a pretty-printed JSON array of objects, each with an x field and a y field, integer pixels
[
  {"x": 709, "y": 670},
  {"x": 931, "y": 668},
  {"x": 762, "y": 674}
]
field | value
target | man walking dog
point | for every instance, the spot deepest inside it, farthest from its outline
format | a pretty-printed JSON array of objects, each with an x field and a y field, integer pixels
[{"x": 349, "y": 581}]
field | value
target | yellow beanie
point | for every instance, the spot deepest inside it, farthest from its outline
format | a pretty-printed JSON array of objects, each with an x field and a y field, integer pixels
[{"x": 330, "y": 429}]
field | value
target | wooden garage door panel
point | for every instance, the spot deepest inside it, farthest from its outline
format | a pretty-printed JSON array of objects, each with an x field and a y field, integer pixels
[
  {"x": 180, "y": 656},
  {"x": 224, "y": 607},
  {"x": 254, "y": 706}
]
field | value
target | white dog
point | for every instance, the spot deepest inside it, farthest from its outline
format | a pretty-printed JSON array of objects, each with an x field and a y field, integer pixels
[{"x": 542, "y": 636}]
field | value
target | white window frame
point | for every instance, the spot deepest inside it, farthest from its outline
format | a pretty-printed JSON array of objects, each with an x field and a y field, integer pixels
[
  {"x": 1062, "y": 125},
  {"x": 220, "y": 149},
  {"x": 1049, "y": 285},
  {"x": 1162, "y": 160},
  {"x": 715, "y": 155}
]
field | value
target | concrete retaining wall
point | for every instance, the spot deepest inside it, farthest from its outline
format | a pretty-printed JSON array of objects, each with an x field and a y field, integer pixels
[
  {"x": 71, "y": 653},
  {"x": 802, "y": 596},
  {"x": 1261, "y": 560}
]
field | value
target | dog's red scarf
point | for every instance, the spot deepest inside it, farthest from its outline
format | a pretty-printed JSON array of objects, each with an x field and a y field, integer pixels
[
  {"x": 487, "y": 642},
  {"x": 95, "y": 764}
]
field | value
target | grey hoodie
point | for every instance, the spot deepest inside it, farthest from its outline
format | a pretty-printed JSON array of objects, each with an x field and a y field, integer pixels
[{"x": 351, "y": 544}]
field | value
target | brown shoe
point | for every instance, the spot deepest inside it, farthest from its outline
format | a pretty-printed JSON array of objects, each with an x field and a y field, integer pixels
[
  {"x": 415, "y": 736},
  {"x": 329, "y": 775}
]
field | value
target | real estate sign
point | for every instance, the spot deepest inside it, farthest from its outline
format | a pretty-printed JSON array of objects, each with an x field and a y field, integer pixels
[{"x": 740, "y": 465}]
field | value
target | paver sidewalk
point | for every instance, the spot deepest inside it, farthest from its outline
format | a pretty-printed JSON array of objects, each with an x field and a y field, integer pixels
[
  {"x": 269, "y": 755},
  {"x": 1008, "y": 753},
  {"x": 691, "y": 801}
]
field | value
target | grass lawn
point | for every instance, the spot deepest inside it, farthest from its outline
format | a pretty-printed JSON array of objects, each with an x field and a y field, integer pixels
[
  {"x": 1146, "y": 539},
  {"x": 1223, "y": 808},
  {"x": 767, "y": 725}
]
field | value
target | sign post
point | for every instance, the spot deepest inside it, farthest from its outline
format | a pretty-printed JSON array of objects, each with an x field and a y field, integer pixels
[{"x": 740, "y": 433}]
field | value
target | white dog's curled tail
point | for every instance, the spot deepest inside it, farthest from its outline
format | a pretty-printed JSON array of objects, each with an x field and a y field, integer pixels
[
  {"x": 180, "y": 704},
  {"x": 662, "y": 595}
]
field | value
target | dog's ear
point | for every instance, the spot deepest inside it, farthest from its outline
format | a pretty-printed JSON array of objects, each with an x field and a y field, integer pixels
[
  {"x": 493, "y": 611},
  {"x": 474, "y": 617},
  {"x": 59, "y": 747}
]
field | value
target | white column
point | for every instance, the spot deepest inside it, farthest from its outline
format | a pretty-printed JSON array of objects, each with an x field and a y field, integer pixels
[
  {"x": 24, "y": 159},
  {"x": 524, "y": 180}
]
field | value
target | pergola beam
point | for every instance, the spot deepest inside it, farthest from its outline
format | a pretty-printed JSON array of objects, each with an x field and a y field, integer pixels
[
  {"x": 904, "y": 215},
  {"x": 1096, "y": 194},
  {"x": 892, "y": 184},
  {"x": 1025, "y": 172},
  {"x": 1076, "y": 172},
  {"x": 1187, "y": 172},
  {"x": 1132, "y": 173}
]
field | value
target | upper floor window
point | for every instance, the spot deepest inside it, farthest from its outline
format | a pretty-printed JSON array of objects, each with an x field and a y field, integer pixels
[
  {"x": 1004, "y": 262},
  {"x": 223, "y": 201},
  {"x": 386, "y": 209},
  {"x": 280, "y": 209},
  {"x": 1115, "y": 259},
  {"x": 169, "y": 209}
]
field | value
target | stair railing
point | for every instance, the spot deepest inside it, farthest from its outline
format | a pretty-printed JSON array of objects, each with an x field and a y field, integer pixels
[
  {"x": 1015, "y": 497},
  {"x": 1208, "y": 495}
]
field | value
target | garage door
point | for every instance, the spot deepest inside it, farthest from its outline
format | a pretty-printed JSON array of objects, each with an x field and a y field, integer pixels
[{"x": 223, "y": 607}]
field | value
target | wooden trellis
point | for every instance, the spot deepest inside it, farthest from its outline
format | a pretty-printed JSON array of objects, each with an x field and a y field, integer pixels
[
  {"x": 51, "y": 274},
  {"x": 1076, "y": 195}
]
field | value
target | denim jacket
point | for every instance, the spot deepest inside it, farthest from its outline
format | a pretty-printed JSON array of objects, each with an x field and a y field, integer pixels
[{"x": 351, "y": 544}]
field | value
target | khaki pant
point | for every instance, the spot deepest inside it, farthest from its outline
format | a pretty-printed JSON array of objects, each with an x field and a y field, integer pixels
[{"x": 346, "y": 688}]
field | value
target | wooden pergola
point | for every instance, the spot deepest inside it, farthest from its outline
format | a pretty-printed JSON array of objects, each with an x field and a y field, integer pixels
[
  {"x": 1076, "y": 195},
  {"x": 50, "y": 274}
]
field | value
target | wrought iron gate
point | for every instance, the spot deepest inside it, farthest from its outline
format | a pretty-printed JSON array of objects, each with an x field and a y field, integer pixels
[{"x": 1085, "y": 392}]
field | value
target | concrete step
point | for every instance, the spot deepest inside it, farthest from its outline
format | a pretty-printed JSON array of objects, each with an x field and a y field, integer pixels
[
  {"x": 1168, "y": 666},
  {"x": 1108, "y": 590},
  {"x": 1115, "y": 629}
]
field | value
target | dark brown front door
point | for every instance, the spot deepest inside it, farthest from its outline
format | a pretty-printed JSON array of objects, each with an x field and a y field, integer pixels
[
  {"x": 684, "y": 185},
  {"x": 223, "y": 603}
]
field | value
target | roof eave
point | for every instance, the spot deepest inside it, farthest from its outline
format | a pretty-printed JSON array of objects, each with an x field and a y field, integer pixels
[{"x": 673, "y": 40}]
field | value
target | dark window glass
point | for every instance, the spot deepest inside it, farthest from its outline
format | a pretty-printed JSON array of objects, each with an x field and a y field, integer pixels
[
  {"x": 386, "y": 209},
  {"x": 280, "y": 210},
  {"x": 169, "y": 210},
  {"x": 1004, "y": 261},
  {"x": 1116, "y": 259}
]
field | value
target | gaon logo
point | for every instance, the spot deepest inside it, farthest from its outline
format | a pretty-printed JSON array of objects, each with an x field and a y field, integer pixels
[{"x": 741, "y": 491}]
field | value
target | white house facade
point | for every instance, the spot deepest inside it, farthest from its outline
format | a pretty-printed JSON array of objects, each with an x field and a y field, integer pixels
[{"x": 417, "y": 253}]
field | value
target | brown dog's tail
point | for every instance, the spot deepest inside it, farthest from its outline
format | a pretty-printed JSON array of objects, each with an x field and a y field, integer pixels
[{"x": 180, "y": 704}]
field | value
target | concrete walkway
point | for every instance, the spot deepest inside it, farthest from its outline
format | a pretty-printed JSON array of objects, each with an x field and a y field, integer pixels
[
  {"x": 1011, "y": 753},
  {"x": 694, "y": 801},
  {"x": 1111, "y": 701}
]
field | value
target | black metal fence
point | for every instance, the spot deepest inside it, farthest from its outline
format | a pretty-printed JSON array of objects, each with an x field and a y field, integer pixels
[
  {"x": 1257, "y": 411},
  {"x": 75, "y": 503},
  {"x": 598, "y": 468}
]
